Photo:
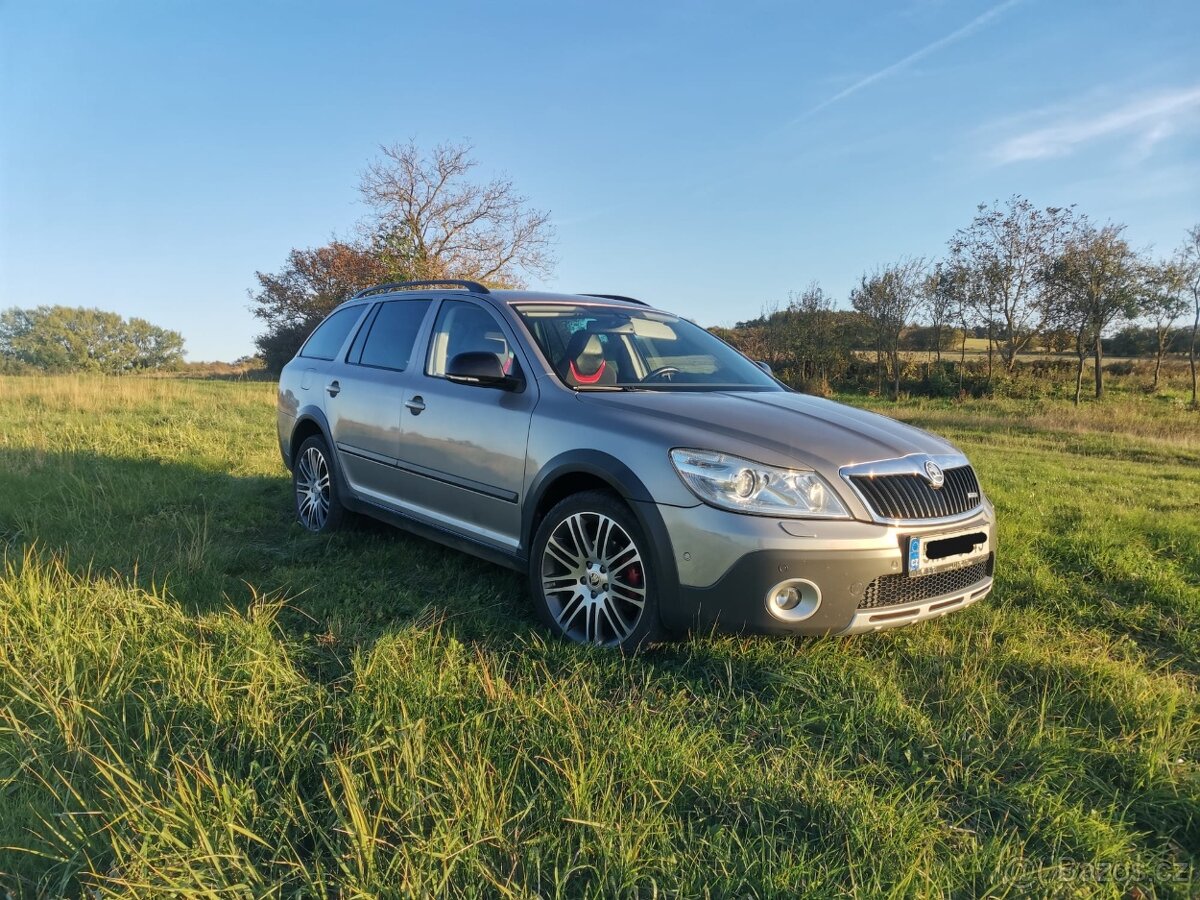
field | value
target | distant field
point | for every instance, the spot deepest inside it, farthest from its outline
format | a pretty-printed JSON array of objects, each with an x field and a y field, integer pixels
[
  {"x": 977, "y": 349},
  {"x": 197, "y": 696}
]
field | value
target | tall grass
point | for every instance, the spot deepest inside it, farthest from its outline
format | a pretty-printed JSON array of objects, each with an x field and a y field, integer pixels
[{"x": 198, "y": 699}]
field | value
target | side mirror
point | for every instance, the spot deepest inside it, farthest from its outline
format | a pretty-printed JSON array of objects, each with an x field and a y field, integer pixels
[
  {"x": 481, "y": 369},
  {"x": 764, "y": 366}
]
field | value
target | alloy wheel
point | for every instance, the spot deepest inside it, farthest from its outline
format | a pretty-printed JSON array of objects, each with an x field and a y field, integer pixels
[
  {"x": 593, "y": 579},
  {"x": 312, "y": 489}
]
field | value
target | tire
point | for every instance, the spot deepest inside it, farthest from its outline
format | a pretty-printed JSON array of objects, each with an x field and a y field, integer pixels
[
  {"x": 577, "y": 590},
  {"x": 315, "y": 488}
]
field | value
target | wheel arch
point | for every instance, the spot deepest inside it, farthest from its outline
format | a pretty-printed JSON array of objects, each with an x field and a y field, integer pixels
[
  {"x": 311, "y": 421},
  {"x": 572, "y": 472},
  {"x": 580, "y": 470},
  {"x": 307, "y": 424}
]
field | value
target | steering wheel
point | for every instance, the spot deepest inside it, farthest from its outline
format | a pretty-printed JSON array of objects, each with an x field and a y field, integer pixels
[{"x": 666, "y": 373}]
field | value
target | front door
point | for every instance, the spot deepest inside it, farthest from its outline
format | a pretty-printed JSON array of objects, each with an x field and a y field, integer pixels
[{"x": 462, "y": 453}]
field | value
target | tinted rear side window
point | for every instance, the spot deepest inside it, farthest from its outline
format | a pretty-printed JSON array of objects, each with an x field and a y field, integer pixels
[
  {"x": 327, "y": 340},
  {"x": 393, "y": 334}
]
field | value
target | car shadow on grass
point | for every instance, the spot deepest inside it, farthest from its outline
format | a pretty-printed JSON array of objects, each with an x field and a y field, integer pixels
[{"x": 214, "y": 540}]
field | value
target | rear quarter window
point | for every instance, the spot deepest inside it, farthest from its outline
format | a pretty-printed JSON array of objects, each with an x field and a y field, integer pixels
[{"x": 327, "y": 340}]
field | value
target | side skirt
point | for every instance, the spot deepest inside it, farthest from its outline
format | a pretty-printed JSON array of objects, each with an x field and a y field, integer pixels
[{"x": 436, "y": 533}]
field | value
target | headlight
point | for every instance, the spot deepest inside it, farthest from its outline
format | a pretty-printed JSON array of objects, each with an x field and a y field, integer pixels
[{"x": 749, "y": 487}]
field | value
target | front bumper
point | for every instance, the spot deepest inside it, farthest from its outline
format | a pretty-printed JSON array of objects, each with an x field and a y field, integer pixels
[{"x": 727, "y": 563}]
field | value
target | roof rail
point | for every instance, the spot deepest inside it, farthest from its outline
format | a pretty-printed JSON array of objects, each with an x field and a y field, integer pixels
[
  {"x": 617, "y": 297},
  {"x": 474, "y": 286}
]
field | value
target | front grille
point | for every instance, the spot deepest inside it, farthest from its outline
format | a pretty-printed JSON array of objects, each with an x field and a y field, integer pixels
[
  {"x": 910, "y": 496},
  {"x": 892, "y": 590}
]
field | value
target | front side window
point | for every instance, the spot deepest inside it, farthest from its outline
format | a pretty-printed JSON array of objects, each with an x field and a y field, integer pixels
[
  {"x": 464, "y": 327},
  {"x": 393, "y": 333},
  {"x": 607, "y": 347},
  {"x": 327, "y": 340}
]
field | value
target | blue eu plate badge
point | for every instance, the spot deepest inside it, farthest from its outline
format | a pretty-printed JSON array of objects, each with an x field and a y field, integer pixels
[{"x": 914, "y": 554}]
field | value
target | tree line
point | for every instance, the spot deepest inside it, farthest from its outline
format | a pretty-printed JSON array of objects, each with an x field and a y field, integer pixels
[
  {"x": 70, "y": 339},
  {"x": 1019, "y": 277}
]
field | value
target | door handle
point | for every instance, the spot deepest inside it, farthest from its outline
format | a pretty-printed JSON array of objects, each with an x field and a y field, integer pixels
[
  {"x": 415, "y": 405},
  {"x": 334, "y": 389}
]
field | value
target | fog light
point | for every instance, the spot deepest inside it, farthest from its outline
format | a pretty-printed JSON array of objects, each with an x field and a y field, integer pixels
[
  {"x": 787, "y": 597},
  {"x": 794, "y": 600}
]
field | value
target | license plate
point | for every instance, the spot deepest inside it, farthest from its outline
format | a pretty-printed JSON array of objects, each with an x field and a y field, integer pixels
[{"x": 929, "y": 553}]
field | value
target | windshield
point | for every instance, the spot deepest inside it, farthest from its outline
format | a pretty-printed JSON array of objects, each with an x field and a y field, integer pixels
[{"x": 615, "y": 347}]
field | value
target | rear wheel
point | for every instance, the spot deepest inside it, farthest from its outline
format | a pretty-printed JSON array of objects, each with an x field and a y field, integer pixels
[
  {"x": 590, "y": 573},
  {"x": 318, "y": 507}
]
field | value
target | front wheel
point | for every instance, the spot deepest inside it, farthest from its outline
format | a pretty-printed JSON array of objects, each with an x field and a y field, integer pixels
[{"x": 591, "y": 576}]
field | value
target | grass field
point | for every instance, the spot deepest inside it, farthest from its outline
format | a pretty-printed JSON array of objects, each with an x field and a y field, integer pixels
[{"x": 197, "y": 697}]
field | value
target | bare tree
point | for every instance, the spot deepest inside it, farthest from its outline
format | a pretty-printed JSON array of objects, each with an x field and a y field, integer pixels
[
  {"x": 442, "y": 224},
  {"x": 1008, "y": 247},
  {"x": 1067, "y": 315},
  {"x": 1162, "y": 302},
  {"x": 888, "y": 298},
  {"x": 939, "y": 300},
  {"x": 1095, "y": 278},
  {"x": 959, "y": 287},
  {"x": 1188, "y": 260}
]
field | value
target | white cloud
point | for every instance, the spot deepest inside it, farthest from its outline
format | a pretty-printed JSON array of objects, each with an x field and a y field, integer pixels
[
  {"x": 980, "y": 21},
  {"x": 1147, "y": 120}
]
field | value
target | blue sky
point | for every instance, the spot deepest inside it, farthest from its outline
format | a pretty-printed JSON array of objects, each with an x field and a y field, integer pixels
[{"x": 709, "y": 157}]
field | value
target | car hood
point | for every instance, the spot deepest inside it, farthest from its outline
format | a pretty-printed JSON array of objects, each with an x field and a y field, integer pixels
[{"x": 774, "y": 427}]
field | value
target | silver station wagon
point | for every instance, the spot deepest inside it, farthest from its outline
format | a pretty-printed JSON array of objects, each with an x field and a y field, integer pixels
[{"x": 649, "y": 478}]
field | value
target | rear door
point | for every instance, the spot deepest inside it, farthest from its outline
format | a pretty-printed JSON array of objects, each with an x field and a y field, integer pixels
[
  {"x": 462, "y": 453},
  {"x": 310, "y": 379},
  {"x": 365, "y": 402}
]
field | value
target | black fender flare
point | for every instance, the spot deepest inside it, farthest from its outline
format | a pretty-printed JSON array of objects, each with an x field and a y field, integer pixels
[{"x": 306, "y": 415}]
